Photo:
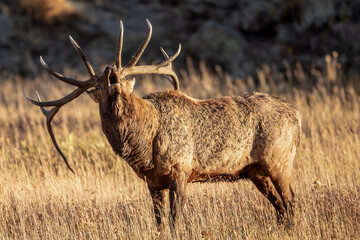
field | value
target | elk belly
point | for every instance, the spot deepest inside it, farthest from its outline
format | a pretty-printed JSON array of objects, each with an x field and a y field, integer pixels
[{"x": 225, "y": 167}]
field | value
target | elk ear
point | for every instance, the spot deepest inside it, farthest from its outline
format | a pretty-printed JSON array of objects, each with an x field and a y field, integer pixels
[
  {"x": 92, "y": 95},
  {"x": 129, "y": 84}
]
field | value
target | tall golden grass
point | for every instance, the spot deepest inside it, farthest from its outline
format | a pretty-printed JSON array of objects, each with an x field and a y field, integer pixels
[{"x": 41, "y": 199}]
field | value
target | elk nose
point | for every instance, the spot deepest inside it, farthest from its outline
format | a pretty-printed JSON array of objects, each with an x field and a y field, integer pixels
[{"x": 107, "y": 69}]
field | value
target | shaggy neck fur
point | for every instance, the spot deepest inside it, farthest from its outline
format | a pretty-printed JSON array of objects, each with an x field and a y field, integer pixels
[{"x": 130, "y": 125}]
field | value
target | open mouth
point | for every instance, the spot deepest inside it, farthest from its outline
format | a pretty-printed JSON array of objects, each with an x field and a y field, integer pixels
[
  {"x": 111, "y": 76},
  {"x": 113, "y": 83},
  {"x": 112, "y": 79}
]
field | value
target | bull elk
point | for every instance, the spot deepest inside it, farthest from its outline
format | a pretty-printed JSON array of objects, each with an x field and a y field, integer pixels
[{"x": 170, "y": 139}]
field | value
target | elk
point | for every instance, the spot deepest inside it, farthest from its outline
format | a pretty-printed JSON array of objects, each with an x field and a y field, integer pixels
[{"x": 170, "y": 139}]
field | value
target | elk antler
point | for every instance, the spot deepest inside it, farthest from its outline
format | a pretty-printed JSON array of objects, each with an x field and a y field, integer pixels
[
  {"x": 57, "y": 104},
  {"x": 119, "y": 47},
  {"x": 164, "y": 67}
]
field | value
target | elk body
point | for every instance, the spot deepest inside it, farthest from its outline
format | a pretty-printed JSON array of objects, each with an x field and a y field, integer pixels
[{"x": 170, "y": 139}]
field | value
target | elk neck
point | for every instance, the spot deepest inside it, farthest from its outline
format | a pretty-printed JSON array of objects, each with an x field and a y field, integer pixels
[{"x": 130, "y": 125}]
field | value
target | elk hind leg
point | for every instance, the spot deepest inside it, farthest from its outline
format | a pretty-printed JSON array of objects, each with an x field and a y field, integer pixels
[
  {"x": 177, "y": 196},
  {"x": 285, "y": 191},
  {"x": 261, "y": 179}
]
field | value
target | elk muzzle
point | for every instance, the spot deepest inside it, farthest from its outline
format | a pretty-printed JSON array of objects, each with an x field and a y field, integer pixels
[{"x": 111, "y": 74}]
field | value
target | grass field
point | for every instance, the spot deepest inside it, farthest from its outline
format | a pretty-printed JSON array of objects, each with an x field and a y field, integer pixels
[{"x": 41, "y": 199}]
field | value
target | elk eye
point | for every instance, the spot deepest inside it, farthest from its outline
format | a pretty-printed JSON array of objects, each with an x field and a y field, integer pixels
[{"x": 97, "y": 87}]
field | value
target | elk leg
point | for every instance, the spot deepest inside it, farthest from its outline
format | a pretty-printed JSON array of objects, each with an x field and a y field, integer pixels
[
  {"x": 281, "y": 183},
  {"x": 177, "y": 196},
  {"x": 263, "y": 183},
  {"x": 158, "y": 197}
]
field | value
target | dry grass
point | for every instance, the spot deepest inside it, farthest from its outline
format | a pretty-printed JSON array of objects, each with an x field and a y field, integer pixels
[
  {"x": 41, "y": 199},
  {"x": 48, "y": 11}
]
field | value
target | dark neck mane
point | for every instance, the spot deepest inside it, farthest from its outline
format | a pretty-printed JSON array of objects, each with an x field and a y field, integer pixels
[{"x": 130, "y": 125}]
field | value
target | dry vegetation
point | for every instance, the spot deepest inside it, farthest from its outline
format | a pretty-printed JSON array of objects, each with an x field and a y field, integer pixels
[
  {"x": 41, "y": 199},
  {"x": 48, "y": 11}
]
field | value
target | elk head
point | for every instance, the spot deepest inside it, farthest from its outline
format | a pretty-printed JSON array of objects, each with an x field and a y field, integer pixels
[{"x": 109, "y": 83}]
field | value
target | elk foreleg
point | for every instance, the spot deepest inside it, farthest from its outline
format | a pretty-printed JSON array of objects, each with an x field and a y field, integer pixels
[{"x": 158, "y": 197}]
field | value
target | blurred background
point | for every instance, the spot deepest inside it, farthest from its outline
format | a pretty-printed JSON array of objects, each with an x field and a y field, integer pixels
[
  {"x": 305, "y": 51},
  {"x": 240, "y": 36}
]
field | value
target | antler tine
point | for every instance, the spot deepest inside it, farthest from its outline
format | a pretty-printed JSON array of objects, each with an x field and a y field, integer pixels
[
  {"x": 61, "y": 77},
  {"x": 164, "y": 53},
  {"x": 174, "y": 81},
  {"x": 169, "y": 60},
  {"x": 164, "y": 68},
  {"x": 43, "y": 110},
  {"x": 119, "y": 47},
  {"x": 139, "y": 52},
  {"x": 83, "y": 57},
  {"x": 49, "y": 117},
  {"x": 58, "y": 103}
]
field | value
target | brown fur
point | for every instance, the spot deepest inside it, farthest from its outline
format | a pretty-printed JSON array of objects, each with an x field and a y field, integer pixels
[{"x": 170, "y": 139}]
